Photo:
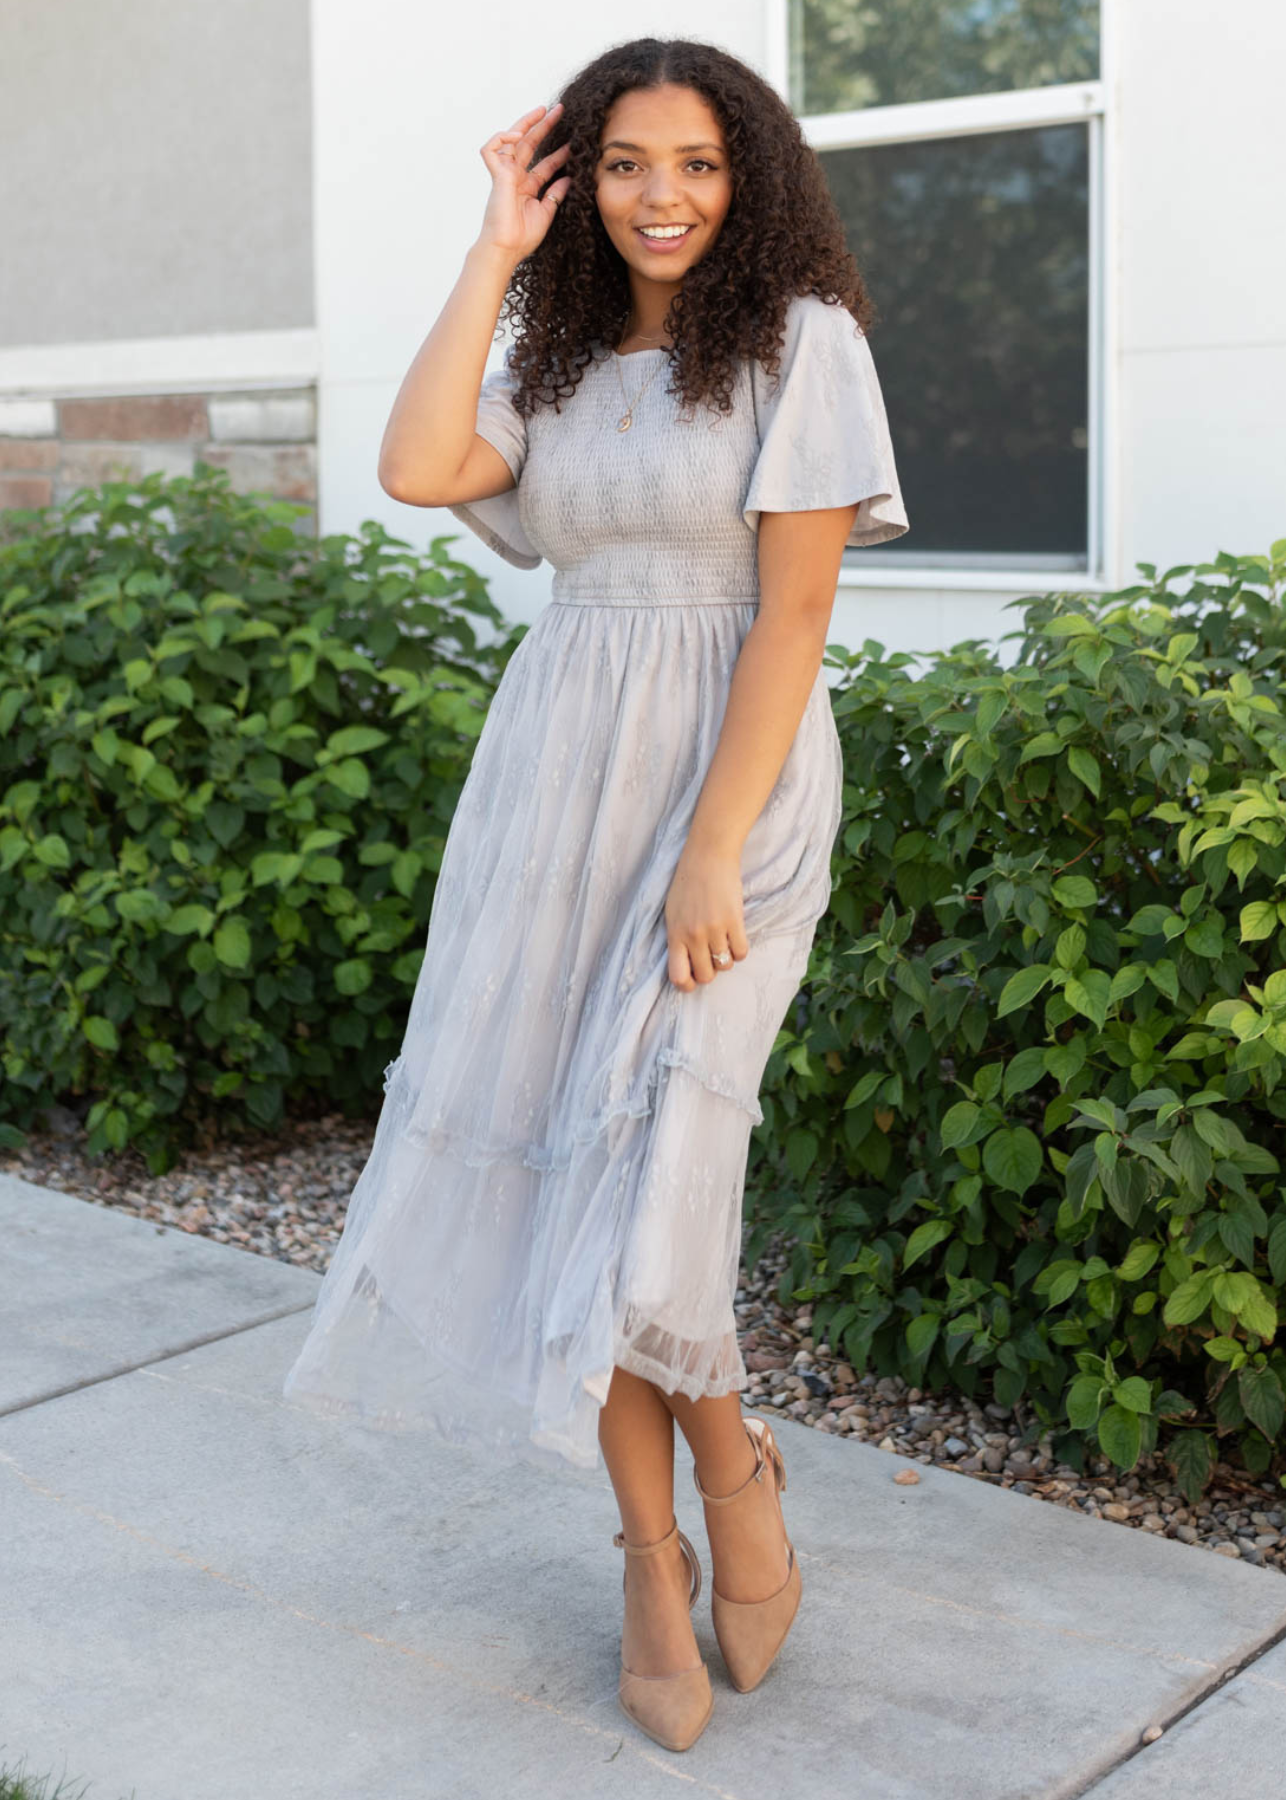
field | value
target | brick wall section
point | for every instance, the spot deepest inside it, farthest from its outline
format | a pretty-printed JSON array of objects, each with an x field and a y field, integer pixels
[{"x": 266, "y": 439}]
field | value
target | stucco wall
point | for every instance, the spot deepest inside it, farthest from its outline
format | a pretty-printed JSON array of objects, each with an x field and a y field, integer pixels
[{"x": 157, "y": 168}]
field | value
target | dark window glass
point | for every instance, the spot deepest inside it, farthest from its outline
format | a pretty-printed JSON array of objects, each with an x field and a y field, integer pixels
[
  {"x": 975, "y": 251},
  {"x": 846, "y": 54}
]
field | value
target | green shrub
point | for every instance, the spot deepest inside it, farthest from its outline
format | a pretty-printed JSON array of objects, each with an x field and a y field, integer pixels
[
  {"x": 229, "y": 755},
  {"x": 1026, "y": 1126}
]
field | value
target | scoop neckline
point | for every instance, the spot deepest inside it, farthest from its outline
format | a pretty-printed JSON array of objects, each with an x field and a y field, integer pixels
[{"x": 651, "y": 350}]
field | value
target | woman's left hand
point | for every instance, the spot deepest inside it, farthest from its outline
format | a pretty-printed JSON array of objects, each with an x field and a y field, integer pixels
[{"x": 703, "y": 916}]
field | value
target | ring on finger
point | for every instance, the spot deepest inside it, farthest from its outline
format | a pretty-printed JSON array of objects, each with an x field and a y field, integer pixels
[{"x": 721, "y": 958}]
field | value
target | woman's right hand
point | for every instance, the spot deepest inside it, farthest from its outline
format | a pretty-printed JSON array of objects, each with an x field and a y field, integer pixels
[{"x": 516, "y": 220}]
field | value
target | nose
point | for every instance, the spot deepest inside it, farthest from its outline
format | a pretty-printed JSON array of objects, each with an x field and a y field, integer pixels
[{"x": 660, "y": 186}]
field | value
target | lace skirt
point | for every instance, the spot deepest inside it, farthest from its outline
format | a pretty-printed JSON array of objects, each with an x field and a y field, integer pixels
[{"x": 556, "y": 1179}]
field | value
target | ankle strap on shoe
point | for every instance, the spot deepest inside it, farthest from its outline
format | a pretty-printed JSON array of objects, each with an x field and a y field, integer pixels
[
  {"x": 647, "y": 1549},
  {"x": 757, "y": 1474},
  {"x": 685, "y": 1545}
]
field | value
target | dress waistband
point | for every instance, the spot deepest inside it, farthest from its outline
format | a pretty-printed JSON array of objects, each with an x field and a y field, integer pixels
[{"x": 654, "y": 599}]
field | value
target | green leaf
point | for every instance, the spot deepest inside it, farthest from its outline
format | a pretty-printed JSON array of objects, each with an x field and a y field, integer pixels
[
  {"x": 1164, "y": 977},
  {"x": 1258, "y": 920},
  {"x": 1120, "y": 1436},
  {"x": 1277, "y": 1249},
  {"x": 1045, "y": 743},
  {"x": 1261, "y": 1398},
  {"x": 1013, "y": 1158},
  {"x": 52, "y": 851},
  {"x": 1138, "y": 1259},
  {"x": 1021, "y": 989},
  {"x": 1024, "y": 1071},
  {"x": 352, "y": 740},
  {"x": 1192, "y": 1460},
  {"x": 1084, "y": 1398},
  {"x": 224, "y": 822},
  {"x": 1258, "y": 1311},
  {"x": 1238, "y": 1236},
  {"x": 863, "y": 1090},
  {"x": 353, "y": 976},
  {"x": 921, "y": 1332},
  {"x": 958, "y": 1123},
  {"x": 801, "y": 1152},
  {"x": 232, "y": 943},
  {"x": 1149, "y": 921},
  {"x": 100, "y": 1032},
  {"x": 351, "y": 777},
  {"x": 1189, "y": 1300},
  {"x": 1205, "y": 938},
  {"x": 186, "y": 919},
  {"x": 924, "y": 1237},
  {"x": 1074, "y": 890},
  {"x": 1090, "y": 995},
  {"x": 1085, "y": 769},
  {"x": 1134, "y": 1393},
  {"x": 1127, "y": 980},
  {"x": 1065, "y": 1060}
]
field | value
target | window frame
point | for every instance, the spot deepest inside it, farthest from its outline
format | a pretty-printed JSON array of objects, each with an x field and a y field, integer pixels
[{"x": 1068, "y": 103}]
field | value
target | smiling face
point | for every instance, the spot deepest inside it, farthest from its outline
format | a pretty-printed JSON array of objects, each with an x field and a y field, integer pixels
[{"x": 662, "y": 163}]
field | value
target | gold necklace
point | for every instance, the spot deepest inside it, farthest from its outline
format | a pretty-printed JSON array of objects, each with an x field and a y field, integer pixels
[{"x": 627, "y": 419}]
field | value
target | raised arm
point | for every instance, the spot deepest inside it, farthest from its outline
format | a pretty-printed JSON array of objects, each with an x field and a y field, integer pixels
[{"x": 431, "y": 454}]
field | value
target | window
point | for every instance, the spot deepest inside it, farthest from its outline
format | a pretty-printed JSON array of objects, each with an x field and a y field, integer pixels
[{"x": 962, "y": 142}]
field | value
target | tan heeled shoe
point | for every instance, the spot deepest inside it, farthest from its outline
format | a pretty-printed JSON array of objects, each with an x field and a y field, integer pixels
[
  {"x": 673, "y": 1709},
  {"x": 751, "y": 1632}
]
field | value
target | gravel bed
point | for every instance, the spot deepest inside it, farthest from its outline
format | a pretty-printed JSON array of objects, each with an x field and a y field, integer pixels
[{"x": 283, "y": 1195}]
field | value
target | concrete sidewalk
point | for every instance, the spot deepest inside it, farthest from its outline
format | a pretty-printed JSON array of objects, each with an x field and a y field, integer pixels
[{"x": 207, "y": 1593}]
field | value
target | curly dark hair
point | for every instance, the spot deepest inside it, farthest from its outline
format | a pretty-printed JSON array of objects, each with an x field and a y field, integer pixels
[{"x": 781, "y": 236}]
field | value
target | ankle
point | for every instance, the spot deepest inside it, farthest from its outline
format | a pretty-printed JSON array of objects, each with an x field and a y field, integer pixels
[{"x": 731, "y": 1475}]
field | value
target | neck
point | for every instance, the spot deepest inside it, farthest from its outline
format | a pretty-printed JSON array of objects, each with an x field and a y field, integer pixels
[{"x": 649, "y": 303}]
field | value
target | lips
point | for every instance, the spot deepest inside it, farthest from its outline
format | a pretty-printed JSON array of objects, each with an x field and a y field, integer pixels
[{"x": 665, "y": 240}]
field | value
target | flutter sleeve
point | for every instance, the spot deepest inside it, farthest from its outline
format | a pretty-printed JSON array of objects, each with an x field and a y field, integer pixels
[
  {"x": 495, "y": 520},
  {"x": 823, "y": 435}
]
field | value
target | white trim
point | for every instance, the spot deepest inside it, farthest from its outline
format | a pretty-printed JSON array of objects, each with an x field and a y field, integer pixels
[
  {"x": 777, "y": 46},
  {"x": 1089, "y": 103},
  {"x": 975, "y": 581},
  {"x": 167, "y": 365},
  {"x": 1019, "y": 109},
  {"x": 1094, "y": 385},
  {"x": 1109, "y": 473}
]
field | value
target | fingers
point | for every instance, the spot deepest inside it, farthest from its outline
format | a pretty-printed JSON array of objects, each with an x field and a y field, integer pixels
[
  {"x": 526, "y": 130},
  {"x": 695, "y": 963},
  {"x": 541, "y": 171}
]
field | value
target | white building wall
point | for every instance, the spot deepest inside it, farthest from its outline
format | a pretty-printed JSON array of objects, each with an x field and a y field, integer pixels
[
  {"x": 155, "y": 183},
  {"x": 157, "y": 242},
  {"x": 1202, "y": 220}
]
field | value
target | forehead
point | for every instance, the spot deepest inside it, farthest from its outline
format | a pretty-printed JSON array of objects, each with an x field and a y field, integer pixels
[{"x": 660, "y": 120}]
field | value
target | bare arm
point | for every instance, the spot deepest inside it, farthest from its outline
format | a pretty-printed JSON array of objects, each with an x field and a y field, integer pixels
[
  {"x": 799, "y": 563},
  {"x": 431, "y": 455}
]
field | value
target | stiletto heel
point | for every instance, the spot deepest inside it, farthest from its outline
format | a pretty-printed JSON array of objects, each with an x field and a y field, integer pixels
[
  {"x": 672, "y": 1709},
  {"x": 751, "y": 1632}
]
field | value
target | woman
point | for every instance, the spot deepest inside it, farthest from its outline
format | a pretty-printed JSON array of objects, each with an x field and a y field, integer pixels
[{"x": 542, "y": 1251}]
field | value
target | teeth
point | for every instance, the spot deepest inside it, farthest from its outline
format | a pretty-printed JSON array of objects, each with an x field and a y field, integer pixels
[{"x": 665, "y": 230}]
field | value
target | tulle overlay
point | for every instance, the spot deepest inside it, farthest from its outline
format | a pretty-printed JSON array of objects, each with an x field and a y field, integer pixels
[{"x": 556, "y": 1180}]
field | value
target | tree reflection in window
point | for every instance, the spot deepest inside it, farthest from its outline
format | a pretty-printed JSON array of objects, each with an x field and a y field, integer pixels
[
  {"x": 975, "y": 250},
  {"x": 848, "y": 54}
]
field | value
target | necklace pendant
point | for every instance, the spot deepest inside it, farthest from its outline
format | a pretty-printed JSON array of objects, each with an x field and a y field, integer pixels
[{"x": 627, "y": 421}]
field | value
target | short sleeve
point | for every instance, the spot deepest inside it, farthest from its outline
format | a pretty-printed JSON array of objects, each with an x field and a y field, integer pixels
[
  {"x": 495, "y": 520},
  {"x": 823, "y": 435}
]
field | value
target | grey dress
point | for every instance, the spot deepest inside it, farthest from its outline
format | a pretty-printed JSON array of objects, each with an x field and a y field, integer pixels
[{"x": 556, "y": 1179}]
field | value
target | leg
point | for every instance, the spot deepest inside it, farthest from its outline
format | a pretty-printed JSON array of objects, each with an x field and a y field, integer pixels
[
  {"x": 747, "y": 1546},
  {"x": 636, "y": 1434}
]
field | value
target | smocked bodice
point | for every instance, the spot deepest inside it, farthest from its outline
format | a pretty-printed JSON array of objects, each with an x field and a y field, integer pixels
[{"x": 668, "y": 511}]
